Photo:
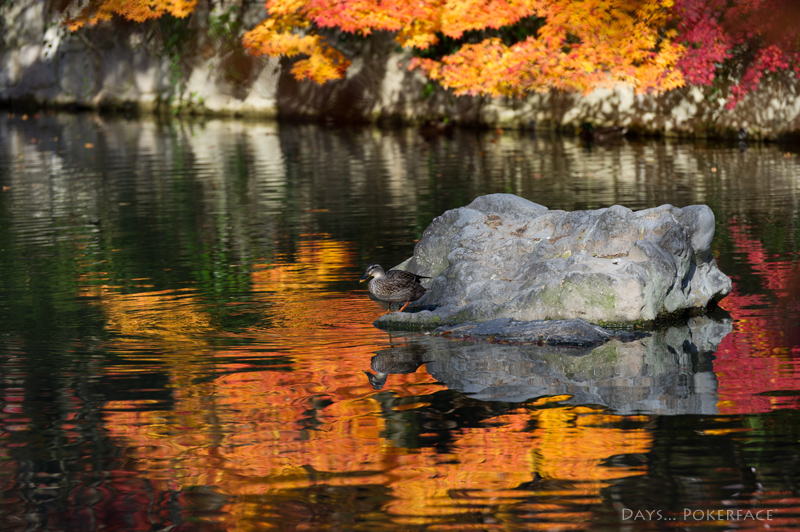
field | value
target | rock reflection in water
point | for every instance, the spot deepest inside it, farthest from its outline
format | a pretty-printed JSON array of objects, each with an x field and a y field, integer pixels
[{"x": 668, "y": 372}]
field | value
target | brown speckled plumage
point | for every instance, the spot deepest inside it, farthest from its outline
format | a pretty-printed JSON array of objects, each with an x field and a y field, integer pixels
[{"x": 394, "y": 286}]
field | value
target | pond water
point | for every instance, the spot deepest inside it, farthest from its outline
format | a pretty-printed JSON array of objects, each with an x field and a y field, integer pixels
[{"x": 184, "y": 341}]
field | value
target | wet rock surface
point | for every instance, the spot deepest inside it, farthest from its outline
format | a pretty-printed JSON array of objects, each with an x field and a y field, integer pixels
[{"x": 566, "y": 333}]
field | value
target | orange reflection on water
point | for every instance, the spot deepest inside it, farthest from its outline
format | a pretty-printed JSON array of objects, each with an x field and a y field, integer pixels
[
  {"x": 319, "y": 262},
  {"x": 264, "y": 446},
  {"x": 487, "y": 462},
  {"x": 299, "y": 292},
  {"x": 167, "y": 317},
  {"x": 313, "y": 420}
]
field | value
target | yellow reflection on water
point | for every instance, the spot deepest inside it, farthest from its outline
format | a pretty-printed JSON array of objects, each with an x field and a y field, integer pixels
[{"x": 172, "y": 317}]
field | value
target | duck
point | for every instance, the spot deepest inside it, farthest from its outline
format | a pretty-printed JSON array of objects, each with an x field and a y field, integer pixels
[
  {"x": 432, "y": 129},
  {"x": 394, "y": 286},
  {"x": 589, "y": 133}
]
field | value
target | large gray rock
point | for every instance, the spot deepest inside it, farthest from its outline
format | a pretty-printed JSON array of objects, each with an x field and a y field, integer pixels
[{"x": 503, "y": 256}]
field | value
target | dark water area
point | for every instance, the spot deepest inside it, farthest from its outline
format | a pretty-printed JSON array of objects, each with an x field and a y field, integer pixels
[{"x": 184, "y": 341}]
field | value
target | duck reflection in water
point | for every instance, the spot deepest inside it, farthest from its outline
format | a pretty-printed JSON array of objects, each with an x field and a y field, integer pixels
[
  {"x": 394, "y": 286},
  {"x": 395, "y": 360},
  {"x": 741, "y": 134}
]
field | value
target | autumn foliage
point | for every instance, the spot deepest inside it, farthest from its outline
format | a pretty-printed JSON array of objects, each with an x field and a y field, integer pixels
[
  {"x": 514, "y": 47},
  {"x": 135, "y": 10},
  {"x": 576, "y": 45},
  {"x": 745, "y": 40}
]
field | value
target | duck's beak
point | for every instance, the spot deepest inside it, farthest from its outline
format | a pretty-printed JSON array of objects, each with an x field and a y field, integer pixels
[{"x": 364, "y": 278}]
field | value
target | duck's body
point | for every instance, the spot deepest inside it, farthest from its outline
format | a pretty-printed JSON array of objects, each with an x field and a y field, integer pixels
[
  {"x": 589, "y": 133},
  {"x": 394, "y": 286},
  {"x": 435, "y": 128}
]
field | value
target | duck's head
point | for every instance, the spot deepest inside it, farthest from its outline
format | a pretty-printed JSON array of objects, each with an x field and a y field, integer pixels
[
  {"x": 377, "y": 380},
  {"x": 373, "y": 270}
]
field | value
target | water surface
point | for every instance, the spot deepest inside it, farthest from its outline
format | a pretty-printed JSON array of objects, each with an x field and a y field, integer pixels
[{"x": 183, "y": 339}]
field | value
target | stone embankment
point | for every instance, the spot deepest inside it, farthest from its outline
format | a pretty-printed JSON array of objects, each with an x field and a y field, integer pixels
[{"x": 129, "y": 67}]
